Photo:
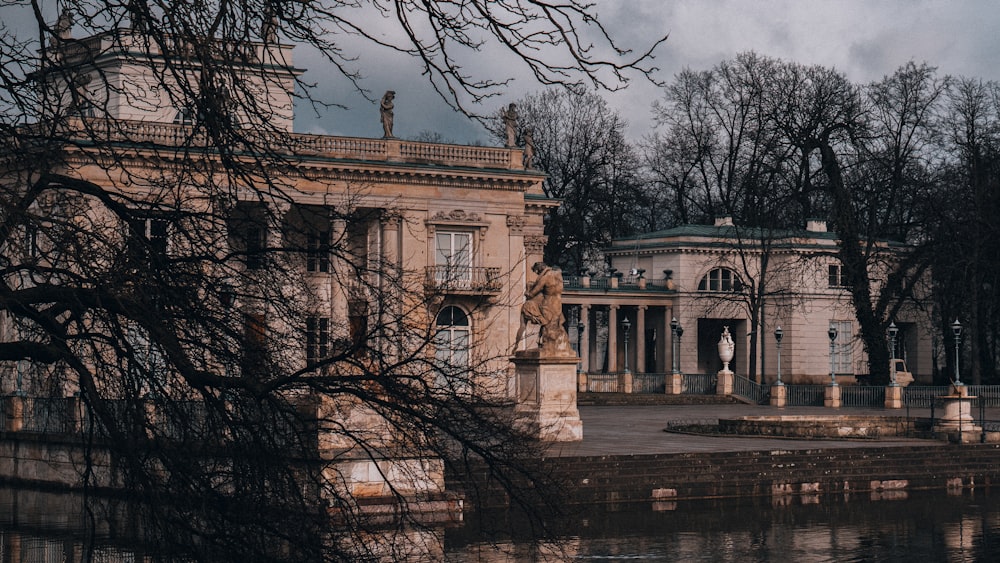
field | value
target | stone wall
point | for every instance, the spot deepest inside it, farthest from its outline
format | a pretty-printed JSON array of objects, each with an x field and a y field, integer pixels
[{"x": 666, "y": 478}]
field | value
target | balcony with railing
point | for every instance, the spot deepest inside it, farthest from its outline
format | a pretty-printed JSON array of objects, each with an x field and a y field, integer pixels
[{"x": 464, "y": 280}]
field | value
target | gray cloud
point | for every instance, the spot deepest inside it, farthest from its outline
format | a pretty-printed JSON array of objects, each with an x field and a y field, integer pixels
[{"x": 864, "y": 39}]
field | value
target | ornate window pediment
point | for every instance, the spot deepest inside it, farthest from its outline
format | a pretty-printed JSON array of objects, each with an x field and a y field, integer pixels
[{"x": 457, "y": 219}]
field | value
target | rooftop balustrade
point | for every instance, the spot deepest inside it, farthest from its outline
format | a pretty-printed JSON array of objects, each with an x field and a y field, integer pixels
[{"x": 168, "y": 135}]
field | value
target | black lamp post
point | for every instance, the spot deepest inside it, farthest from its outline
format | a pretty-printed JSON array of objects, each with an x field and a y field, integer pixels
[
  {"x": 680, "y": 332},
  {"x": 777, "y": 337},
  {"x": 579, "y": 341},
  {"x": 626, "y": 325},
  {"x": 832, "y": 333},
  {"x": 673, "y": 331},
  {"x": 893, "y": 332},
  {"x": 956, "y": 329}
]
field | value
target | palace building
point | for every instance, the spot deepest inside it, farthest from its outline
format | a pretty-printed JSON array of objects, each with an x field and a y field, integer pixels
[{"x": 698, "y": 278}]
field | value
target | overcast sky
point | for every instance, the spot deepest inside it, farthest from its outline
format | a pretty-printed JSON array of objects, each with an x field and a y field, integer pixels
[{"x": 864, "y": 39}]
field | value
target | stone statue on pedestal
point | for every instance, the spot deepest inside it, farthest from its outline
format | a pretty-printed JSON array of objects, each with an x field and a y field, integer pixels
[{"x": 544, "y": 308}]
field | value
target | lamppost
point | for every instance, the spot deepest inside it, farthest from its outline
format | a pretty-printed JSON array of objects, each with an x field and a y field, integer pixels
[
  {"x": 893, "y": 332},
  {"x": 673, "y": 331},
  {"x": 579, "y": 343},
  {"x": 777, "y": 337},
  {"x": 627, "y": 325},
  {"x": 956, "y": 329},
  {"x": 679, "y": 331},
  {"x": 832, "y": 333}
]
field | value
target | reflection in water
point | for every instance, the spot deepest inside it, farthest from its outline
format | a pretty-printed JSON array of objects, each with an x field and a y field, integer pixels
[{"x": 923, "y": 526}]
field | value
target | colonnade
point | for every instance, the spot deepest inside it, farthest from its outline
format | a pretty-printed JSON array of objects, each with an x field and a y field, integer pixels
[{"x": 599, "y": 330}]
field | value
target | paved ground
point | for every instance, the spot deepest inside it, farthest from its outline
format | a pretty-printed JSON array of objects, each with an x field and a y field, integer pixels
[{"x": 627, "y": 430}]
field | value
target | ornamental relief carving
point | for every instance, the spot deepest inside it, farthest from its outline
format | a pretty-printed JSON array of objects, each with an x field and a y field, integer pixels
[
  {"x": 456, "y": 215},
  {"x": 535, "y": 244},
  {"x": 516, "y": 224},
  {"x": 457, "y": 218}
]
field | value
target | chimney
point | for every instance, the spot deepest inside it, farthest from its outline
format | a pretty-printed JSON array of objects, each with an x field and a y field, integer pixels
[{"x": 815, "y": 225}]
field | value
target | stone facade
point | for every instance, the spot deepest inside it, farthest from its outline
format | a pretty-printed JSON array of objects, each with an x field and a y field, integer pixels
[{"x": 434, "y": 227}]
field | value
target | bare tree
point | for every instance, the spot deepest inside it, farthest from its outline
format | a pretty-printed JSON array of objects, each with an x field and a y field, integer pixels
[
  {"x": 592, "y": 169},
  {"x": 959, "y": 218},
  {"x": 723, "y": 155},
  {"x": 154, "y": 234},
  {"x": 774, "y": 143}
]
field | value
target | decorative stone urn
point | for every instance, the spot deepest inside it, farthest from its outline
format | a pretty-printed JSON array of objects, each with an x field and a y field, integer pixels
[
  {"x": 724, "y": 381},
  {"x": 726, "y": 349}
]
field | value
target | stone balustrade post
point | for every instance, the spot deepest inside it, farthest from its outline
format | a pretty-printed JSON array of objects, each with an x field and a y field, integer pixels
[
  {"x": 626, "y": 382},
  {"x": 14, "y": 419}
]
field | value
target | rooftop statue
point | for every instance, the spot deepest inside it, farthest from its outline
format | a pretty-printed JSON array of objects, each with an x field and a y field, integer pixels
[
  {"x": 386, "y": 107},
  {"x": 509, "y": 117},
  {"x": 529, "y": 149}
]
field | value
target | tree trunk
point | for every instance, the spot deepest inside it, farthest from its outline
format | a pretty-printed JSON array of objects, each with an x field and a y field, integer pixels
[{"x": 855, "y": 268}]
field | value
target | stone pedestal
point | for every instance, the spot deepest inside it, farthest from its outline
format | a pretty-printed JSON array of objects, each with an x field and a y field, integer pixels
[
  {"x": 831, "y": 396},
  {"x": 957, "y": 421},
  {"x": 14, "y": 411},
  {"x": 546, "y": 396},
  {"x": 581, "y": 382},
  {"x": 779, "y": 395},
  {"x": 894, "y": 397},
  {"x": 626, "y": 382},
  {"x": 724, "y": 383},
  {"x": 675, "y": 384}
]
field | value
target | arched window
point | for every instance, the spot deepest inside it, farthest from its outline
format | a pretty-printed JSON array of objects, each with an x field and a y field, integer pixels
[
  {"x": 451, "y": 341},
  {"x": 721, "y": 279}
]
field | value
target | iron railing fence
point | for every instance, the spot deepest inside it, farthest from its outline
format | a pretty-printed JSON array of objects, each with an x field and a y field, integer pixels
[
  {"x": 649, "y": 383},
  {"x": 751, "y": 391},
  {"x": 698, "y": 384},
  {"x": 602, "y": 383},
  {"x": 49, "y": 415},
  {"x": 805, "y": 395},
  {"x": 862, "y": 396},
  {"x": 922, "y": 396},
  {"x": 986, "y": 395}
]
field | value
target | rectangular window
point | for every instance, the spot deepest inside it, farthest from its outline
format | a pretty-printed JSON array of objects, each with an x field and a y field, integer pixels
[
  {"x": 836, "y": 278},
  {"x": 184, "y": 116},
  {"x": 31, "y": 241},
  {"x": 254, "y": 241},
  {"x": 317, "y": 339},
  {"x": 148, "y": 237},
  {"x": 843, "y": 347},
  {"x": 318, "y": 251},
  {"x": 453, "y": 257}
]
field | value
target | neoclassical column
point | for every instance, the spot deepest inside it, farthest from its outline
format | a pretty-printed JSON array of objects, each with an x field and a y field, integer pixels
[
  {"x": 339, "y": 281},
  {"x": 390, "y": 306},
  {"x": 640, "y": 339},
  {"x": 668, "y": 339},
  {"x": 391, "y": 248},
  {"x": 612, "y": 338}
]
